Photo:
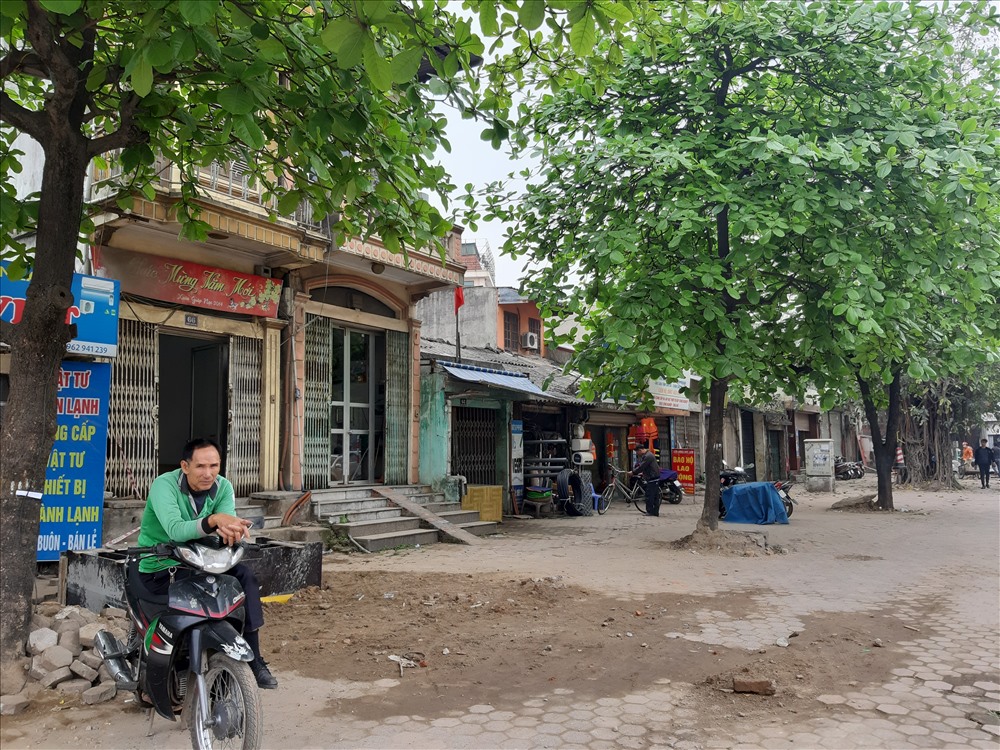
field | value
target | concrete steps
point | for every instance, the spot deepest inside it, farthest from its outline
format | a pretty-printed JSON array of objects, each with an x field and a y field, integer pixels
[
  {"x": 375, "y": 523},
  {"x": 394, "y": 539}
]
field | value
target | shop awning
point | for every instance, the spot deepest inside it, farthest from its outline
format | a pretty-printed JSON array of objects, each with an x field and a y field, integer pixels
[{"x": 511, "y": 381}]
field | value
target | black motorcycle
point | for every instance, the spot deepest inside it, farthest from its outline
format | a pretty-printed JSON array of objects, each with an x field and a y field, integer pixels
[
  {"x": 185, "y": 652},
  {"x": 671, "y": 489}
]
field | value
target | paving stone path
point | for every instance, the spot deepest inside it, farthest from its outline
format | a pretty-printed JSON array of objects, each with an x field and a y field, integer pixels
[{"x": 945, "y": 552}]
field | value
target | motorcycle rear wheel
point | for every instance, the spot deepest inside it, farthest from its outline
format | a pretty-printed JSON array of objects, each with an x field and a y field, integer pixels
[
  {"x": 670, "y": 494},
  {"x": 233, "y": 704},
  {"x": 788, "y": 507}
]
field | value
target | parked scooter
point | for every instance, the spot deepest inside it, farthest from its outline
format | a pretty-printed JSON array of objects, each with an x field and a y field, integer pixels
[
  {"x": 786, "y": 498},
  {"x": 843, "y": 469},
  {"x": 727, "y": 478},
  {"x": 671, "y": 490},
  {"x": 185, "y": 652}
]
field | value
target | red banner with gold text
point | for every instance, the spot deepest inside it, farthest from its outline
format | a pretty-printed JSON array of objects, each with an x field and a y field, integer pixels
[{"x": 187, "y": 283}]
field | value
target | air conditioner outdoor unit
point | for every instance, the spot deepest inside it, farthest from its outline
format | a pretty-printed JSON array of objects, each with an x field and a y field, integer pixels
[{"x": 529, "y": 340}]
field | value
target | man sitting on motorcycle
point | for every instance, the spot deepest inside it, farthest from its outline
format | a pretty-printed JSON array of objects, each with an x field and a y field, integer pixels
[{"x": 193, "y": 502}]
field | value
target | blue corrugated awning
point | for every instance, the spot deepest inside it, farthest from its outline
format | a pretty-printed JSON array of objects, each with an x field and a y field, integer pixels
[{"x": 512, "y": 381}]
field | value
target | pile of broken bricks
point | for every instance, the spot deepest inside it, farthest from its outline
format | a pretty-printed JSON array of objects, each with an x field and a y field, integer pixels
[{"x": 61, "y": 655}]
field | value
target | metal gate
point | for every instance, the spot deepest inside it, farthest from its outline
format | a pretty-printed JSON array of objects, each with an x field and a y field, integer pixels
[
  {"x": 474, "y": 444},
  {"x": 397, "y": 407},
  {"x": 133, "y": 411},
  {"x": 243, "y": 442},
  {"x": 749, "y": 444},
  {"x": 316, "y": 403}
]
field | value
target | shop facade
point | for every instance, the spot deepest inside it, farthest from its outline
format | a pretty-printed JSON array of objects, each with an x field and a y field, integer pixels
[
  {"x": 297, "y": 354},
  {"x": 352, "y": 362}
]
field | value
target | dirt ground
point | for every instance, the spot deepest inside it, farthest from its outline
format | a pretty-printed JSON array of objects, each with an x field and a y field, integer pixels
[
  {"x": 496, "y": 639},
  {"x": 495, "y": 624}
]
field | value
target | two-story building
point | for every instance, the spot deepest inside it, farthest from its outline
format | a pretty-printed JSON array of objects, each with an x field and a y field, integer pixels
[{"x": 299, "y": 356}]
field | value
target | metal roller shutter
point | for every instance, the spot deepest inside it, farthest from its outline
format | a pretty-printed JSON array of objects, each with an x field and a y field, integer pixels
[
  {"x": 473, "y": 444},
  {"x": 133, "y": 411},
  {"x": 316, "y": 403},
  {"x": 397, "y": 407},
  {"x": 243, "y": 448}
]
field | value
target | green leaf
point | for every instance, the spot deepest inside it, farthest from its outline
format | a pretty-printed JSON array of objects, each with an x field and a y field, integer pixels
[
  {"x": 142, "y": 77},
  {"x": 353, "y": 48},
  {"x": 248, "y": 131},
  {"x": 583, "y": 36},
  {"x": 488, "y": 17},
  {"x": 339, "y": 32},
  {"x": 531, "y": 14},
  {"x": 907, "y": 139},
  {"x": 615, "y": 10},
  {"x": 405, "y": 65},
  {"x": 236, "y": 99},
  {"x": 197, "y": 12},
  {"x": 690, "y": 349},
  {"x": 289, "y": 202},
  {"x": 62, "y": 7},
  {"x": 968, "y": 125},
  {"x": 378, "y": 68}
]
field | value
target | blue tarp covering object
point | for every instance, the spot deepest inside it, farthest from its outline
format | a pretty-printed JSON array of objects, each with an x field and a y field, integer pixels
[{"x": 754, "y": 502}]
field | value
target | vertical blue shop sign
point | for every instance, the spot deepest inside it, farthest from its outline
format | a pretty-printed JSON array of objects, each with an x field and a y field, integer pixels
[
  {"x": 94, "y": 311},
  {"x": 73, "y": 501}
]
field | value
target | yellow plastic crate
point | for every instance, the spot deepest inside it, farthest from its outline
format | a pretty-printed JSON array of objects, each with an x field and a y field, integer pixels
[{"x": 487, "y": 499}]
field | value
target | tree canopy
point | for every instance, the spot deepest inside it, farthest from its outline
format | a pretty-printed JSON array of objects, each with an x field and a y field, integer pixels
[
  {"x": 769, "y": 194},
  {"x": 329, "y": 103}
]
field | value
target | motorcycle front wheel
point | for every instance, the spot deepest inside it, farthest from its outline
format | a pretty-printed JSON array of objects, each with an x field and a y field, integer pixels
[{"x": 235, "y": 717}]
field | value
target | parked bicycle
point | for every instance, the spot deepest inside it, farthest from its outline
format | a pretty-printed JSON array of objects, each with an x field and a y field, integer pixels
[{"x": 620, "y": 490}]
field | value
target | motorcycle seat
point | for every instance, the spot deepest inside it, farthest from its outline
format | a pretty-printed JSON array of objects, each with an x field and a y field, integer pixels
[{"x": 138, "y": 586}]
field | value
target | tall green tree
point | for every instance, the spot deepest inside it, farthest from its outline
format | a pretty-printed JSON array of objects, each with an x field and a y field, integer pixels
[
  {"x": 329, "y": 102},
  {"x": 766, "y": 194}
]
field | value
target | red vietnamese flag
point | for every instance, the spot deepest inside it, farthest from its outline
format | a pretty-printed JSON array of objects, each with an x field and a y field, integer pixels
[{"x": 459, "y": 298}]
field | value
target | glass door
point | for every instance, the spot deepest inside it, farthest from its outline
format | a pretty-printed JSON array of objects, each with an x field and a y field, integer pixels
[{"x": 357, "y": 406}]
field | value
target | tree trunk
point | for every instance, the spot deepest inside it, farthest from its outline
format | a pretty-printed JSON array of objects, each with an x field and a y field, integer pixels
[
  {"x": 883, "y": 445},
  {"x": 713, "y": 455},
  {"x": 38, "y": 344}
]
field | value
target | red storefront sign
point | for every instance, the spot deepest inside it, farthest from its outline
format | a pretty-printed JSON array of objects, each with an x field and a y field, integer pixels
[
  {"x": 683, "y": 463},
  {"x": 187, "y": 283}
]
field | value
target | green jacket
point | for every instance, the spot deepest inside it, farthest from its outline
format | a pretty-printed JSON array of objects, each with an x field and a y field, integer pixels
[{"x": 170, "y": 514}]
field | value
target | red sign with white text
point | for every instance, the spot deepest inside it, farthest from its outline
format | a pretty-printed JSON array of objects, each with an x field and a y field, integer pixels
[
  {"x": 683, "y": 463},
  {"x": 188, "y": 283}
]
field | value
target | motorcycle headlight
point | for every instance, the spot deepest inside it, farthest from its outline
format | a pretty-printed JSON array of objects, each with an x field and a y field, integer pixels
[{"x": 211, "y": 560}]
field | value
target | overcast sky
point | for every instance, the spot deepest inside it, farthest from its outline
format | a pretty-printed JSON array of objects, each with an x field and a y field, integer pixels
[{"x": 474, "y": 160}]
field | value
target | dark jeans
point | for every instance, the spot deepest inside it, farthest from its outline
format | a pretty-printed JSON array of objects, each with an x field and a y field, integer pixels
[
  {"x": 984, "y": 475},
  {"x": 159, "y": 583},
  {"x": 652, "y": 497}
]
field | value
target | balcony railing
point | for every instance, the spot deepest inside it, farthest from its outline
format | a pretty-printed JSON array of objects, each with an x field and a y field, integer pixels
[{"x": 231, "y": 179}]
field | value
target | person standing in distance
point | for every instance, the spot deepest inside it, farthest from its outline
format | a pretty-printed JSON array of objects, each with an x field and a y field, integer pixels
[
  {"x": 984, "y": 458},
  {"x": 194, "y": 502},
  {"x": 649, "y": 470}
]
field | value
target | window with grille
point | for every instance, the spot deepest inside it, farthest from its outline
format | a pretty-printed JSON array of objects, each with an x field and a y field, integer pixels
[
  {"x": 535, "y": 327},
  {"x": 511, "y": 325}
]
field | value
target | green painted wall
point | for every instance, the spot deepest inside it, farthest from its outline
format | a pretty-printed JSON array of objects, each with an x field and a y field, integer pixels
[{"x": 434, "y": 440}]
